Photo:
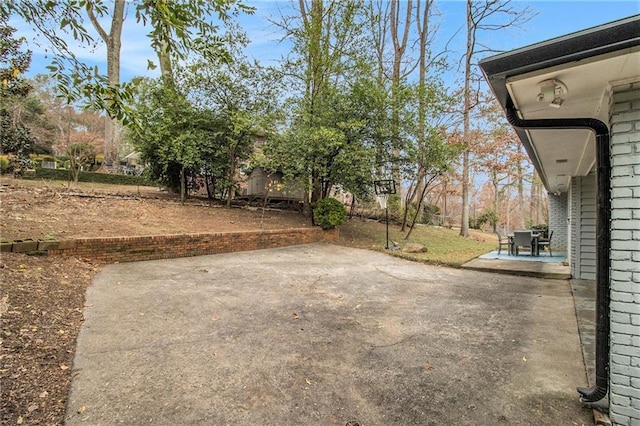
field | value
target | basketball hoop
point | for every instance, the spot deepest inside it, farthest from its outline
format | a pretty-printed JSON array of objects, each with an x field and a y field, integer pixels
[
  {"x": 382, "y": 200},
  {"x": 384, "y": 186}
]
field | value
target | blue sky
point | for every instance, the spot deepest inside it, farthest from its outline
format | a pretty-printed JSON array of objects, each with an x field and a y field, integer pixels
[{"x": 553, "y": 19}]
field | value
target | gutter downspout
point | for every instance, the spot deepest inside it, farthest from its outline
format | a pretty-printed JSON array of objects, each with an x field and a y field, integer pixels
[{"x": 603, "y": 235}]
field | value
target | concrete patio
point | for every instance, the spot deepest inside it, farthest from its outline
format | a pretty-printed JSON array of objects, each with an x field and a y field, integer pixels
[
  {"x": 324, "y": 335},
  {"x": 543, "y": 266}
]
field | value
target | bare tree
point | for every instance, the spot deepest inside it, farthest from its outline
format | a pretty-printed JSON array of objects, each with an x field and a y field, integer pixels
[{"x": 482, "y": 16}]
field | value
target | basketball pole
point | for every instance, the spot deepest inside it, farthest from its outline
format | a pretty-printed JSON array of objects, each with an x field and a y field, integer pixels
[
  {"x": 383, "y": 188},
  {"x": 387, "y": 217}
]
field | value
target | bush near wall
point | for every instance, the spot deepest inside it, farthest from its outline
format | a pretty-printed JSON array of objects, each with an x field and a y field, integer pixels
[{"x": 114, "y": 179}]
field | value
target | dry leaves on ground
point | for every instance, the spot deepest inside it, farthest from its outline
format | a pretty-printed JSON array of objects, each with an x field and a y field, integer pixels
[{"x": 41, "y": 309}]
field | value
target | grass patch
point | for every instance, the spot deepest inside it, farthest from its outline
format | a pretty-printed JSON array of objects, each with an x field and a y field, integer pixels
[{"x": 445, "y": 246}]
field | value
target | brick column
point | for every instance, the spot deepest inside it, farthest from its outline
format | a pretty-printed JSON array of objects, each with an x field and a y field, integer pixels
[
  {"x": 625, "y": 255},
  {"x": 558, "y": 221}
]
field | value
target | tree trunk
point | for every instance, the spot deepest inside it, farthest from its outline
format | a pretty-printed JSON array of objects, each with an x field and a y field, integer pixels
[
  {"x": 423, "y": 31},
  {"x": 520, "y": 210},
  {"x": 183, "y": 185},
  {"x": 166, "y": 69},
  {"x": 399, "y": 47},
  {"x": 496, "y": 199},
  {"x": 231, "y": 173},
  {"x": 211, "y": 186},
  {"x": 508, "y": 208},
  {"x": 444, "y": 204},
  {"x": 113, "y": 43},
  {"x": 466, "y": 132},
  {"x": 418, "y": 208}
]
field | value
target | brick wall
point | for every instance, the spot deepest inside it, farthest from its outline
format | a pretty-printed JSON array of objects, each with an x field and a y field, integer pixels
[
  {"x": 129, "y": 249},
  {"x": 558, "y": 223},
  {"x": 625, "y": 255}
]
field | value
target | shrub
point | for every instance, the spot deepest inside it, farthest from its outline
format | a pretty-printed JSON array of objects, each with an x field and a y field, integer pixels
[
  {"x": 488, "y": 216},
  {"x": 4, "y": 165},
  {"x": 430, "y": 213},
  {"x": 329, "y": 213},
  {"x": 114, "y": 179}
]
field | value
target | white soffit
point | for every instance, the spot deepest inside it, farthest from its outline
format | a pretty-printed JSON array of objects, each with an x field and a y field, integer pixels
[{"x": 566, "y": 153}]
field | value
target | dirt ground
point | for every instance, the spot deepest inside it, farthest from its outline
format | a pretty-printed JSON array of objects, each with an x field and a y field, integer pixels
[
  {"x": 42, "y": 298},
  {"x": 36, "y": 209}
]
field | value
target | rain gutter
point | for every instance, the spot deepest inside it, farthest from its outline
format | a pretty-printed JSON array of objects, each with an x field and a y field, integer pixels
[{"x": 603, "y": 234}]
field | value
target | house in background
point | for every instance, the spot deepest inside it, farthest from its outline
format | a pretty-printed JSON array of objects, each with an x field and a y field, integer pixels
[
  {"x": 575, "y": 104},
  {"x": 259, "y": 183}
]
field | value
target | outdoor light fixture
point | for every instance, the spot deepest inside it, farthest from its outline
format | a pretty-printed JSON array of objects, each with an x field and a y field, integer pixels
[{"x": 552, "y": 91}]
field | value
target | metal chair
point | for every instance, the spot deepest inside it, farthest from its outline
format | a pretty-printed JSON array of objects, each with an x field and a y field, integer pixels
[
  {"x": 546, "y": 242},
  {"x": 522, "y": 239},
  {"x": 504, "y": 241}
]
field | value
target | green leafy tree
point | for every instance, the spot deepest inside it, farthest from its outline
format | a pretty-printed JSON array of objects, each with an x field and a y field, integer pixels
[
  {"x": 432, "y": 161},
  {"x": 176, "y": 28},
  {"x": 15, "y": 136},
  {"x": 170, "y": 134},
  {"x": 327, "y": 44},
  {"x": 242, "y": 99},
  {"x": 336, "y": 151}
]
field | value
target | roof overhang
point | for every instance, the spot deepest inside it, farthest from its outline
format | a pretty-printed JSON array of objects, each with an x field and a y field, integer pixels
[{"x": 566, "y": 77}]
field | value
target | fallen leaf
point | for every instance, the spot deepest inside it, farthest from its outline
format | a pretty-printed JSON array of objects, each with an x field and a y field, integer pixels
[
  {"x": 4, "y": 305},
  {"x": 20, "y": 420},
  {"x": 64, "y": 367},
  {"x": 524, "y": 358},
  {"x": 81, "y": 409}
]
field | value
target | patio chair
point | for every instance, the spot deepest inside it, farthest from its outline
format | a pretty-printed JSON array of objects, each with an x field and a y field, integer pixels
[
  {"x": 522, "y": 239},
  {"x": 504, "y": 242},
  {"x": 546, "y": 242}
]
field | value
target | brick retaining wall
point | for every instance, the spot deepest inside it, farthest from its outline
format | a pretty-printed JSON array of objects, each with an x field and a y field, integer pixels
[{"x": 130, "y": 249}]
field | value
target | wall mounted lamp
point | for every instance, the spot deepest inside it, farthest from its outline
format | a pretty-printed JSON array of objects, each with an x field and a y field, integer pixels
[{"x": 552, "y": 91}]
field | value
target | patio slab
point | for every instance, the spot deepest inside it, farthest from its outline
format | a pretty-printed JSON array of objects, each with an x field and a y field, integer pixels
[
  {"x": 324, "y": 335},
  {"x": 544, "y": 266}
]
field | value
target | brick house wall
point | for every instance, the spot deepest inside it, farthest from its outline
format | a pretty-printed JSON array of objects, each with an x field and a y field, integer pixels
[
  {"x": 558, "y": 215},
  {"x": 625, "y": 255}
]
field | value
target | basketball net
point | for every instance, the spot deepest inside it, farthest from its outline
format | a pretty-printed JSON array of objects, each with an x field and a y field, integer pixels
[{"x": 382, "y": 200}]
